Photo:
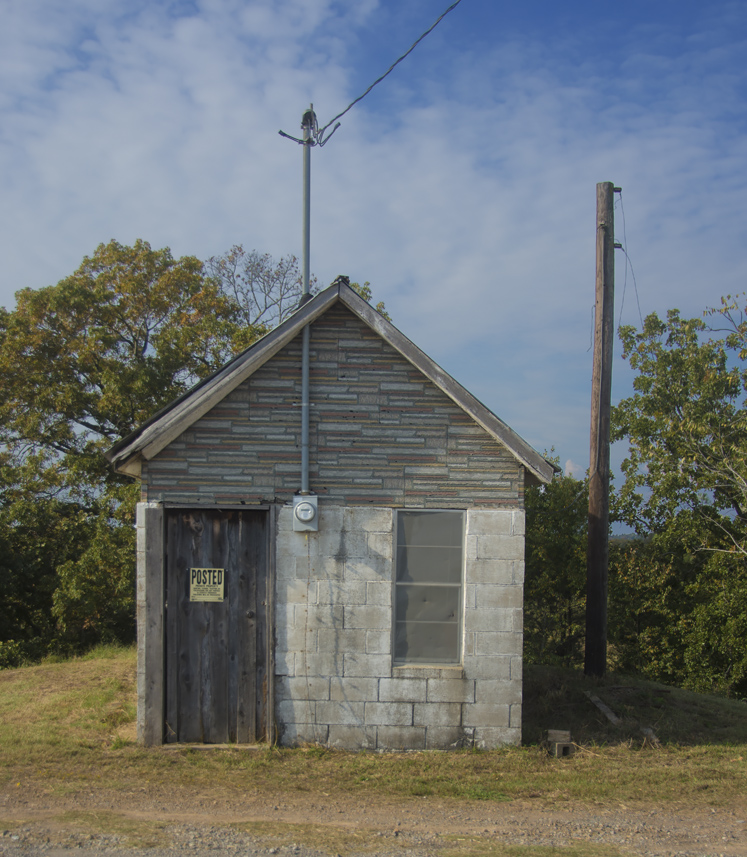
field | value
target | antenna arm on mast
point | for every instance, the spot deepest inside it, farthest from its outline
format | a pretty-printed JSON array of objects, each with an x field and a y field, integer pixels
[{"x": 296, "y": 140}]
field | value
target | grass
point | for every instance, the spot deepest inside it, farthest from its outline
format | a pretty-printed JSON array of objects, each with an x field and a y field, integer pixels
[{"x": 69, "y": 726}]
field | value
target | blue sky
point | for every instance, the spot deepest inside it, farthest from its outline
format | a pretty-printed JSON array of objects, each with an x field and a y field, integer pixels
[{"x": 463, "y": 187}]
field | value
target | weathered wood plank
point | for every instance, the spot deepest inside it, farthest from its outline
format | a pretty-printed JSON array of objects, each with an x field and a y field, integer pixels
[
  {"x": 150, "y": 616},
  {"x": 213, "y": 679}
]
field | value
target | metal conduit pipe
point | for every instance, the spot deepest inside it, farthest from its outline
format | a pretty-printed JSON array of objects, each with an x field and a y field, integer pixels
[{"x": 308, "y": 124}]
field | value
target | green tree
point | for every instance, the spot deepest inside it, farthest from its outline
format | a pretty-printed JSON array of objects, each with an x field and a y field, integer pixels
[
  {"x": 555, "y": 576},
  {"x": 680, "y": 591},
  {"x": 686, "y": 424},
  {"x": 83, "y": 363}
]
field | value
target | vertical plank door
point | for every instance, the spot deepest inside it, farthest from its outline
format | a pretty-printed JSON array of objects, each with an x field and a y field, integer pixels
[{"x": 215, "y": 671}]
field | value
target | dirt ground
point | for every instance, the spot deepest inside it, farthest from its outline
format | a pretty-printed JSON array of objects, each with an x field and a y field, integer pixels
[{"x": 159, "y": 821}]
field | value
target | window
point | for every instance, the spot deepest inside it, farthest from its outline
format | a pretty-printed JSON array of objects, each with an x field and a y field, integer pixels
[{"x": 428, "y": 587}]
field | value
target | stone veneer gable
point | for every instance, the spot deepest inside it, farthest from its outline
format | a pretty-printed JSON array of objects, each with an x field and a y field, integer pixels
[{"x": 380, "y": 433}]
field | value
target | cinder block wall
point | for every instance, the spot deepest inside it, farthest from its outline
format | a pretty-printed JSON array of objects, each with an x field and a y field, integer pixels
[{"x": 335, "y": 680}]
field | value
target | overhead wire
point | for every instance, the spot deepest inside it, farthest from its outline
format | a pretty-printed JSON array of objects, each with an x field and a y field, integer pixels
[
  {"x": 318, "y": 135},
  {"x": 624, "y": 248}
]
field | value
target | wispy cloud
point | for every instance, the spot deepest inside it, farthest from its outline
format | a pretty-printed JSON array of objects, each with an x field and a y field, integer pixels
[{"x": 463, "y": 187}]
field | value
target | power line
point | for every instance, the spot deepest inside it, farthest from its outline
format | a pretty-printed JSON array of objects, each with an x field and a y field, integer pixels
[{"x": 318, "y": 138}]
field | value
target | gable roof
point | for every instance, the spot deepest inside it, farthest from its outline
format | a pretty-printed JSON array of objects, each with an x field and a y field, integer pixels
[{"x": 165, "y": 426}]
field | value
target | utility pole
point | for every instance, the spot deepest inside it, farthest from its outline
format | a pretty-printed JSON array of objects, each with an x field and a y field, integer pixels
[{"x": 597, "y": 559}]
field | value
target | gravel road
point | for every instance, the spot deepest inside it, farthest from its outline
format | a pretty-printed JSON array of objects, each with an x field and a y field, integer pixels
[{"x": 306, "y": 825}]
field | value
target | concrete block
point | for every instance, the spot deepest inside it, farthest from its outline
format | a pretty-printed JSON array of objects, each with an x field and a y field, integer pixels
[
  {"x": 402, "y": 690},
  {"x": 337, "y": 639},
  {"x": 497, "y": 643},
  {"x": 491, "y": 571},
  {"x": 294, "y": 734},
  {"x": 294, "y": 591},
  {"x": 290, "y": 545},
  {"x": 514, "y": 716},
  {"x": 301, "y": 688},
  {"x": 319, "y": 568},
  {"x": 380, "y": 545},
  {"x": 352, "y": 737},
  {"x": 519, "y": 522},
  {"x": 371, "y": 567},
  {"x": 345, "y": 688},
  {"x": 497, "y": 667},
  {"x": 388, "y": 713},
  {"x": 285, "y": 568},
  {"x": 285, "y": 663},
  {"x": 341, "y": 592},
  {"x": 317, "y": 616},
  {"x": 409, "y": 671},
  {"x": 497, "y": 692},
  {"x": 451, "y": 690},
  {"x": 321, "y": 663},
  {"x": 487, "y": 619},
  {"x": 447, "y": 738},
  {"x": 367, "y": 616},
  {"x": 492, "y": 596},
  {"x": 437, "y": 714},
  {"x": 482, "y": 522},
  {"x": 489, "y": 738},
  {"x": 400, "y": 738},
  {"x": 344, "y": 544},
  {"x": 379, "y": 592},
  {"x": 500, "y": 547},
  {"x": 378, "y": 642},
  {"x": 366, "y": 665},
  {"x": 340, "y": 712},
  {"x": 368, "y": 519},
  {"x": 331, "y": 517},
  {"x": 289, "y": 638},
  {"x": 517, "y": 668},
  {"x": 296, "y": 710},
  {"x": 485, "y": 714}
]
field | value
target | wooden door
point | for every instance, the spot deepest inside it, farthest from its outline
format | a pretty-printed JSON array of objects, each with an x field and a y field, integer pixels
[{"x": 217, "y": 651}]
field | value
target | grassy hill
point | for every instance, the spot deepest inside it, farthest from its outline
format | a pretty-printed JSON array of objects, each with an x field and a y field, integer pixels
[{"x": 68, "y": 727}]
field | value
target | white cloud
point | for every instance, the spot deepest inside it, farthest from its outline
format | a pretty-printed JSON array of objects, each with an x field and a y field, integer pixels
[{"x": 463, "y": 188}]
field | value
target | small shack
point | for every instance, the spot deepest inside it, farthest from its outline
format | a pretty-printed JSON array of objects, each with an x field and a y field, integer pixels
[{"x": 383, "y": 608}]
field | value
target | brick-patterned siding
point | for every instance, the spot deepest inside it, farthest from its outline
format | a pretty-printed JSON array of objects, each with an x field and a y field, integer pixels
[
  {"x": 381, "y": 433},
  {"x": 335, "y": 681}
]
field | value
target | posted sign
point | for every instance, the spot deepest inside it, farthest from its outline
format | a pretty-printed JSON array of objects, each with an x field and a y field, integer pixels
[{"x": 206, "y": 584}]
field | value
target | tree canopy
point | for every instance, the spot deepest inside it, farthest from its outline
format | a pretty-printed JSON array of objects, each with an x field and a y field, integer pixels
[
  {"x": 686, "y": 424},
  {"x": 82, "y": 364}
]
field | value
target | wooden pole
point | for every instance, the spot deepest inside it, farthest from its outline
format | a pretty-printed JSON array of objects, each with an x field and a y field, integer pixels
[{"x": 595, "y": 661}]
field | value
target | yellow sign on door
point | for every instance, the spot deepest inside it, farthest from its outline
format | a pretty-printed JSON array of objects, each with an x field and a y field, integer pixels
[{"x": 206, "y": 584}]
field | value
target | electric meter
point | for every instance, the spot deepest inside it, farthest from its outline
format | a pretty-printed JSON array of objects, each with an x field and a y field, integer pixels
[{"x": 305, "y": 513}]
